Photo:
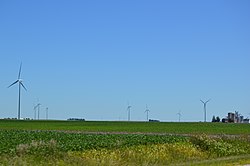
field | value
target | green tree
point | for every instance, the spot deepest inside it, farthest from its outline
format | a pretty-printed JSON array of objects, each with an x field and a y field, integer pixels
[
  {"x": 213, "y": 119},
  {"x": 217, "y": 119}
]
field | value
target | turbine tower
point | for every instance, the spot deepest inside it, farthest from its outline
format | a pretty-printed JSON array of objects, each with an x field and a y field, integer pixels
[
  {"x": 129, "y": 109},
  {"x": 179, "y": 114},
  {"x": 38, "y": 110},
  {"x": 147, "y": 111},
  {"x": 47, "y": 113},
  {"x": 205, "y": 108},
  {"x": 34, "y": 112},
  {"x": 20, "y": 84}
]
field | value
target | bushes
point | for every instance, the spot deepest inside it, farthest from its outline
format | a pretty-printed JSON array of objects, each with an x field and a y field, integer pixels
[
  {"x": 222, "y": 146},
  {"x": 65, "y": 142},
  {"x": 158, "y": 154},
  {"x": 115, "y": 149},
  {"x": 39, "y": 148}
]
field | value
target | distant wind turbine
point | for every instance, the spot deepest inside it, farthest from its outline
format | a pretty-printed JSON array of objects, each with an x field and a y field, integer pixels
[
  {"x": 147, "y": 111},
  {"x": 129, "y": 109},
  {"x": 20, "y": 84},
  {"x": 179, "y": 114},
  {"x": 205, "y": 108},
  {"x": 38, "y": 110},
  {"x": 47, "y": 113},
  {"x": 34, "y": 112}
]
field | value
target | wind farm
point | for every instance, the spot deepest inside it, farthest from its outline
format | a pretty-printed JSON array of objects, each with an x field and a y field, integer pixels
[
  {"x": 132, "y": 131},
  {"x": 37, "y": 107},
  {"x": 124, "y": 83},
  {"x": 168, "y": 134}
]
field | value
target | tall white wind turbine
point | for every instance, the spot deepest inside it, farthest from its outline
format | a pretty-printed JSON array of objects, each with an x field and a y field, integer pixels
[{"x": 20, "y": 84}]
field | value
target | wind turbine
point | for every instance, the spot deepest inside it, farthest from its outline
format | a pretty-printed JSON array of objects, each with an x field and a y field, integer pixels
[
  {"x": 38, "y": 110},
  {"x": 47, "y": 113},
  {"x": 35, "y": 112},
  {"x": 147, "y": 111},
  {"x": 20, "y": 84},
  {"x": 129, "y": 109},
  {"x": 205, "y": 108},
  {"x": 179, "y": 114}
]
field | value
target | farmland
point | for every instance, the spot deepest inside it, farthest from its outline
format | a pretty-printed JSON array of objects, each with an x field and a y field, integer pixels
[
  {"x": 122, "y": 143},
  {"x": 129, "y": 127}
]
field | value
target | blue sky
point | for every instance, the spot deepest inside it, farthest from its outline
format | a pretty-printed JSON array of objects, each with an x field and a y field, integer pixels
[{"x": 87, "y": 59}]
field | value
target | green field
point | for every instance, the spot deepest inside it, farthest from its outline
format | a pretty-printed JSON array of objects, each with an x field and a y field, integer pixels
[
  {"x": 123, "y": 143},
  {"x": 130, "y": 127}
]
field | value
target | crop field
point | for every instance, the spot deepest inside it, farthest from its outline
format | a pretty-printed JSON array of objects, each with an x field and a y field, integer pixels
[
  {"x": 130, "y": 127},
  {"x": 123, "y": 143}
]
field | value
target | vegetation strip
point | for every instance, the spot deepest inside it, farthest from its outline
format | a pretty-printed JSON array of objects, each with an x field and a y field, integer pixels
[
  {"x": 232, "y": 160},
  {"x": 129, "y": 127},
  {"x": 100, "y": 143}
]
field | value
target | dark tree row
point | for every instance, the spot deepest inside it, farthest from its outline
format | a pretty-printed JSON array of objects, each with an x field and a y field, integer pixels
[{"x": 216, "y": 119}]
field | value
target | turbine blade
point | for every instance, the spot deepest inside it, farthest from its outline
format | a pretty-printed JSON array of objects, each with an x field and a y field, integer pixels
[
  {"x": 23, "y": 86},
  {"x": 129, "y": 107},
  {"x": 202, "y": 101},
  {"x": 207, "y": 101},
  {"x": 19, "y": 74},
  {"x": 13, "y": 83},
  {"x": 36, "y": 106}
]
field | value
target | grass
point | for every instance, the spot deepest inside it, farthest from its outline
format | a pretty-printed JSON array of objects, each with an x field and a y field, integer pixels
[
  {"x": 224, "y": 161},
  {"x": 23, "y": 147},
  {"x": 122, "y": 143},
  {"x": 130, "y": 127},
  {"x": 10, "y": 139}
]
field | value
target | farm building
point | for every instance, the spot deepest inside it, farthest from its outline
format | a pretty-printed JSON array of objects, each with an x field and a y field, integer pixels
[
  {"x": 235, "y": 118},
  {"x": 231, "y": 117},
  {"x": 224, "y": 120},
  {"x": 246, "y": 120}
]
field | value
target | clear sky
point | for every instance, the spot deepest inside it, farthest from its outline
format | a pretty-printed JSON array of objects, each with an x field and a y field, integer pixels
[{"x": 87, "y": 59}]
